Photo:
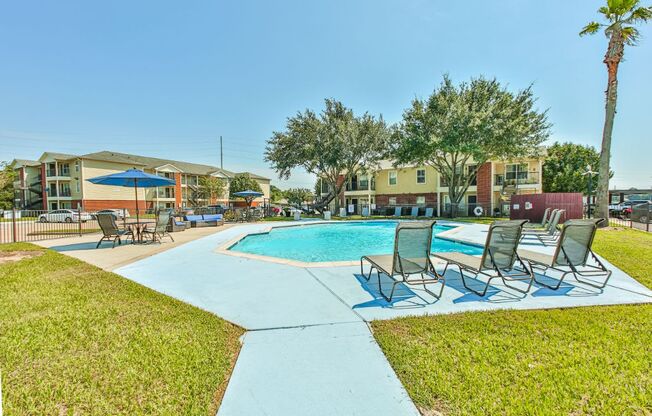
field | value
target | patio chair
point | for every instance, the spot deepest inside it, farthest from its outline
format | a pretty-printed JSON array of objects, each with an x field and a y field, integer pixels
[
  {"x": 110, "y": 230},
  {"x": 177, "y": 225},
  {"x": 571, "y": 254},
  {"x": 161, "y": 227},
  {"x": 398, "y": 211},
  {"x": 551, "y": 232},
  {"x": 498, "y": 258},
  {"x": 542, "y": 224},
  {"x": 414, "y": 212},
  {"x": 429, "y": 212},
  {"x": 411, "y": 256}
]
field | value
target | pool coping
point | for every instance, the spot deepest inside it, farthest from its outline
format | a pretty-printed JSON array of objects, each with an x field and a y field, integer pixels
[{"x": 225, "y": 247}]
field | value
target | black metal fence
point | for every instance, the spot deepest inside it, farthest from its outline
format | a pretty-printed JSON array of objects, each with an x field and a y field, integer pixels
[{"x": 631, "y": 223}]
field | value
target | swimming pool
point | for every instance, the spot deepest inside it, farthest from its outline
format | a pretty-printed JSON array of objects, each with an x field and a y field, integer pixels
[{"x": 341, "y": 241}]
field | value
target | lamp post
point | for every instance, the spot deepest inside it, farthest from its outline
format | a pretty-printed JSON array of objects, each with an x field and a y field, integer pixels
[{"x": 590, "y": 174}]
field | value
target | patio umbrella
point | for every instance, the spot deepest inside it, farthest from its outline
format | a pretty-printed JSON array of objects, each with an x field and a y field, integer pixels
[
  {"x": 133, "y": 178},
  {"x": 248, "y": 196}
]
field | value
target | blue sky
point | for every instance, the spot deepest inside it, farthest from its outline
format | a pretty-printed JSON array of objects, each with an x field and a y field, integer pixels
[{"x": 166, "y": 78}]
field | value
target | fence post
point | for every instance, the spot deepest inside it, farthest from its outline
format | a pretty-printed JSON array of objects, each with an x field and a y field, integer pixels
[
  {"x": 14, "y": 225},
  {"x": 79, "y": 218}
]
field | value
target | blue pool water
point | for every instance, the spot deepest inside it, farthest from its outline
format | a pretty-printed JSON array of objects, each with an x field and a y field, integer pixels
[{"x": 337, "y": 241}]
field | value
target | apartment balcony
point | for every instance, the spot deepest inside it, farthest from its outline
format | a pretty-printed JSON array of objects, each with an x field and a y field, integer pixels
[
  {"x": 528, "y": 179},
  {"x": 360, "y": 186}
]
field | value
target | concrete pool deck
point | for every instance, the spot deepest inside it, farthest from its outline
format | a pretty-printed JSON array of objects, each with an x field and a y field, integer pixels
[{"x": 309, "y": 349}]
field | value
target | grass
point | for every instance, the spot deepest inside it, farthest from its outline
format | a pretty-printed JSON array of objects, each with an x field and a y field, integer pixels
[
  {"x": 76, "y": 340},
  {"x": 65, "y": 231},
  {"x": 581, "y": 361},
  {"x": 629, "y": 250}
]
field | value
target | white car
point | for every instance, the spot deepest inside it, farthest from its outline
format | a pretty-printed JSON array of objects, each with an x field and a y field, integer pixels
[
  {"x": 64, "y": 215},
  {"x": 117, "y": 213}
]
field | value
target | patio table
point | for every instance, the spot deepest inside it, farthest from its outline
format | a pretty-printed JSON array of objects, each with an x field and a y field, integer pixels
[{"x": 138, "y": 228}]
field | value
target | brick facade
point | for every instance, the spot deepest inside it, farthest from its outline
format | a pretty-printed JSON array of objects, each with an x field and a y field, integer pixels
[
  {"x": 406, "y": 199},
  {"x": 177, "y": 190},
  {"x": 130, "y": 204},
  {"x": 484, "y": 189}
]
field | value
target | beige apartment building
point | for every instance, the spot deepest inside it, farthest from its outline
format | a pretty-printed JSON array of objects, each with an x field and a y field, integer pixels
[
  {"x": 423, "y": 186},
  {"x": 59, "y": 181}
]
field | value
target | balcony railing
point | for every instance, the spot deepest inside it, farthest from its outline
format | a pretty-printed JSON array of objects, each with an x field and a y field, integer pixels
[
  {"x": 361, "y": 186},
  {"x": 524, "y": 178}
]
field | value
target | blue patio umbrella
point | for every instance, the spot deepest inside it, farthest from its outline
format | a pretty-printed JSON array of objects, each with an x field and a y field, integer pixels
[
  {"x": 133, "y": 178},
  {"x": 248, "y": 195}
]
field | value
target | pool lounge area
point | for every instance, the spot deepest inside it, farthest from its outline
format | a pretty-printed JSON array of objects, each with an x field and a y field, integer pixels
[{"x": 296, "y": 313}]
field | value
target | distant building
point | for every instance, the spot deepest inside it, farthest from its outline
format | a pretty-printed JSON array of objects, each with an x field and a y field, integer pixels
[
  {"x": 617, "y": 196},
  {"x": 423, "y": 186},
  {"x": 58, "y": 181}
]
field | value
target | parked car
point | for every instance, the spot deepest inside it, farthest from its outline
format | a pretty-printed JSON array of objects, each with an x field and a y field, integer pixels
[
  {"x": 118, "y": 214},
  {"x": 64, "y": 215},
  {"x": 642, "y": 212},
  {"x": 624, "y": 209}
]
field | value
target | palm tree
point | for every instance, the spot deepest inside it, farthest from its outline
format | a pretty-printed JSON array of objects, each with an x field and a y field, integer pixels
[{"x": 621, "y": 16}]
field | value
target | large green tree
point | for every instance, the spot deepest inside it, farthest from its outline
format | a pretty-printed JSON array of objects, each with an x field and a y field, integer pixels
[
  {"x": 211, "y": 187},
  {"x": 276, "y": 194},
  {"x": 565, "y": 166},
  {"x": 469, "y": 124},
  {"x": 621, "y": 17},
  {"x": 297, "y": 196},
  {"x": 7, "y": 178},
  {"x": 335, "y": 145},
  {"x": 243, "y": 182}
]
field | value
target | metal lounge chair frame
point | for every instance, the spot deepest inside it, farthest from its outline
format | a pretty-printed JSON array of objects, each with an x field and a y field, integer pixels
[
  {"x": 110, "y": 230},
  {"x": 161, "y": 227},
  {"x": 401, "y": 266},
  {"x": 564, "y": 258},
  {"x": 549, "y": 234},
  {"x": 542, "y": 224},
  {"x": 492, "y": 267}
]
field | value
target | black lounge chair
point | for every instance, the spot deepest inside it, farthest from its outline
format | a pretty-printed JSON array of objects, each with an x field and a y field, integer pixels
[
  {"x": 110, "y": 230},
  {"x": 571, "y": 255},
  {"x": 411, "y": 256},
  {"x": 498, "y": 258},
  {"x": 161, "y": 227}
]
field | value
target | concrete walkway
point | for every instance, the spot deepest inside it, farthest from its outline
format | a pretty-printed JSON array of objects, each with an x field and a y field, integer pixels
[{"x": 309, "y": 350}]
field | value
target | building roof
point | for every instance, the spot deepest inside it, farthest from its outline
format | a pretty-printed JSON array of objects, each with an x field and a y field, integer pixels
[
  {"x": 59, "y": 156},
  {"x": 25, "y": 162}
]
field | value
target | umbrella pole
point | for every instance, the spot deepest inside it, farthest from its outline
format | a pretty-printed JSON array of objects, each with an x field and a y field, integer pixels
[{"x": 137, "y": 210}]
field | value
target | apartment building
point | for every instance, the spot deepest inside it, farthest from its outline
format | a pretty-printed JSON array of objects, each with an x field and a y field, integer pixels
[
  {"x": 59, "y": 181},
  {"x": 423, "y": 186}
]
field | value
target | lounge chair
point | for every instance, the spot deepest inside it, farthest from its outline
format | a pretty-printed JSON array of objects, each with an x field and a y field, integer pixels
[
  {"x": 429, "y": 212},
  {"x": 398, "y": 211},
  {"x": 161, "y": 227},
  {"x": 551, "y": 232},
  {"x": 571, "y": 254},
  {"x": 411, "y": 256},
  {"x": 498, "y": 258},
  {"x": 110, "y": 230},
  {"x": 176, "y": 225},
  {"x": 542, "y": 224},
  {"x": 414, "y": 212}
]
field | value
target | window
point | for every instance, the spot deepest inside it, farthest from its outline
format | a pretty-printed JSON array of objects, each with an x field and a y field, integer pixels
[
  {"x": 393, "y": 177},
  {"x": 64, "y": 189},
  {"x": 421, "y": 176},
  {"x": 392, "y": 200},
  {"x": 64, "y": 169},
  {"x": 421, "y": 200},
  {"x": 77, "y": 187},
  {"x": 515, "y": 171},
  {"x": 443, "y": 182},
  {"x": 77, "y": 166},
  {"x": 470, "y": 169}
]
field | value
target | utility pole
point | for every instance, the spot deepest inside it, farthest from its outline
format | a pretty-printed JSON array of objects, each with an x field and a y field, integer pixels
[{"x": 221, "y": 155}]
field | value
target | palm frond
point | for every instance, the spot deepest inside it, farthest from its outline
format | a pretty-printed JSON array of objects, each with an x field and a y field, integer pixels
[
  {"x": 630, "y": 35},
  {"x": 591, "y": 29},
  {"x": 641, "y": 14}
]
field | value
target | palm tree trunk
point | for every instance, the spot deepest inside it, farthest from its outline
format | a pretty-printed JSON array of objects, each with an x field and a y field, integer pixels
[{"x": 612, "y": 59}]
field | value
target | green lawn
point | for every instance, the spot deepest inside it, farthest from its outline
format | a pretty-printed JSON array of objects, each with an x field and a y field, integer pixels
[
  {"x": 582, "y": 361},
  {"x": 76, "y": 340}
]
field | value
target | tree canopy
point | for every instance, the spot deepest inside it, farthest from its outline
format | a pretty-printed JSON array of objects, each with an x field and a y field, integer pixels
[
  {"x": 211, "y": 187},
  {"x": 330, "y": 144},
  {"x": 7, "y": 178},
  {"x": 276, "y": 194},
  {"x": 243, "y": 182},
  {"x": 564, "y": 167},
  {"x": 297, "y": 196},
  {"x": 467, "y": 125}
]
